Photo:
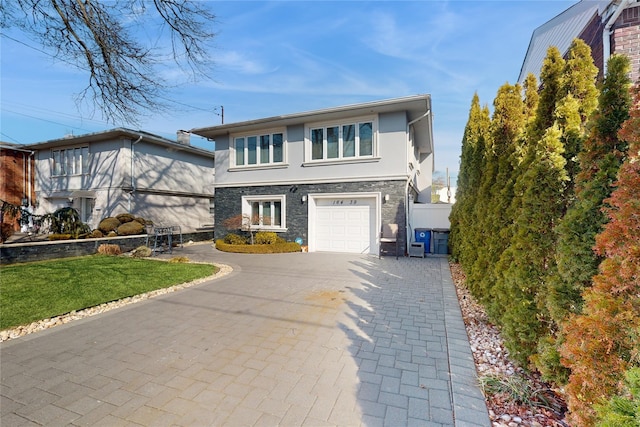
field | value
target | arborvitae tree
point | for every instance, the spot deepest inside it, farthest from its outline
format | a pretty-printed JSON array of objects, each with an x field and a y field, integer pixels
[
  {"x": 465, "y": 188},
  {"x": 531, "y": 96},
  {"x": 524, "y": 265},
  {"x": 551, "y": 91},
  {"x": 578, "y": 102},
  {"x": 573, "y": 109},
  {"x": 507, "y": 125},
  {"x": 604, "y": 341},
  {"x": 464, "y": 214},
  {"x": 600, "y": 161}
]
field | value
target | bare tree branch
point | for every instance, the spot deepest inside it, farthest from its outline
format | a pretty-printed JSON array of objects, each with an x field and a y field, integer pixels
[{"x": 102, "y": 38}]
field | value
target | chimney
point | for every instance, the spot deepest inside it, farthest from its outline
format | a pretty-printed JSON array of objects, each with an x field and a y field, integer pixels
[{"x": 184, "y": 137}]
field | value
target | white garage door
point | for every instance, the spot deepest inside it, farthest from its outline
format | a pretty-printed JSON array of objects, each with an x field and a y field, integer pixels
[{"x": 345, "y": 225}]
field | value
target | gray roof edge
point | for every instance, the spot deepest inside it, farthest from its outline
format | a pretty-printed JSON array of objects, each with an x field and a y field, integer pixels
[
  {"x": 583, "y": 6},
  {"x": 372, "y": 105},
  {"x": 115, "y": 132}
]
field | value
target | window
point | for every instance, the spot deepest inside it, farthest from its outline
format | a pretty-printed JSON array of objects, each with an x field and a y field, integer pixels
[
  {"x": 335, "y": 142},
  {"x": 264, "y": 212},
  {"x": 70, "y": 161},
  {"x": 256, "y": 150}
]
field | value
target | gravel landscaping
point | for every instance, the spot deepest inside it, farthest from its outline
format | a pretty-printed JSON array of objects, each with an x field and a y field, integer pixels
[{"x": 524, "y": 399}]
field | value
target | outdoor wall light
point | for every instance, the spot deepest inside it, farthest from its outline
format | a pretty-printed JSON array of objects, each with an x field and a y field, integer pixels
[
  {"x": 386, "y": 197},
  {"x": 304, "y": 198}
]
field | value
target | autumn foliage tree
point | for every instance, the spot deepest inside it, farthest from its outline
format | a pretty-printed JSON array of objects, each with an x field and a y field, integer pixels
[
  {"x": 527, "y": 222},
  {"x": 604, "y": 341}
]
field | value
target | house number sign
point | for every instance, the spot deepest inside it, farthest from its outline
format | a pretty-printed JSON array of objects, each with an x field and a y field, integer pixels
[{"x": 350, "y": 202}]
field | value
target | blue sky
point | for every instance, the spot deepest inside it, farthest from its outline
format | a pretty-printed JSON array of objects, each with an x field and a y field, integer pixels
[{"x": 276, "y": 58}]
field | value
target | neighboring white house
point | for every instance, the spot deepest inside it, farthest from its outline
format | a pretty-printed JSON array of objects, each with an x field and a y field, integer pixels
[
  {"x": 121, "y": 170},
  {"x": 330, "y": 177}
]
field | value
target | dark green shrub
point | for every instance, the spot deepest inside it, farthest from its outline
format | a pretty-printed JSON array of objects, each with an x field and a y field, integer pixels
[
  {"x": 130, "y": 228},
  {"x": 234, "y": 239},
  {"x": 67, "y": 221},
  {"x": 266, "y": 238},
  {"x": 108, "y": 224},
  {"x": 623, "y": 410}
]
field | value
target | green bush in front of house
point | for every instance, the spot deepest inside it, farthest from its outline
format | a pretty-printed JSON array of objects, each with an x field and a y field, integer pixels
[
  {"x": 234, "y": 239},
  {"x": 266, "y": 238},
  {"x": 243, "y": 248}
]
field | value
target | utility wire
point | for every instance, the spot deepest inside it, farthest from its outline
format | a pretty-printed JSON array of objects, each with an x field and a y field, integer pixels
[{"x": 2, "y": 34}]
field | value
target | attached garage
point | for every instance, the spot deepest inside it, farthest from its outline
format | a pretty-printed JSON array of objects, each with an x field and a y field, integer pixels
[{"x": 344, "y": 223}]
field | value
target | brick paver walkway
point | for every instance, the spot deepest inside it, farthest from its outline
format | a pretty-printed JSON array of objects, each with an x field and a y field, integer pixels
[{"x": 293, "y": 339}]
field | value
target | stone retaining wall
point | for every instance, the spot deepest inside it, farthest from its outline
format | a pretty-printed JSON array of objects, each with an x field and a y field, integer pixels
[{"x": 39, "y": 251}]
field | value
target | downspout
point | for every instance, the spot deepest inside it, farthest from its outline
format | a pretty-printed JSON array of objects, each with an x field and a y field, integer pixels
[
  {"x": 410, "y": 178},
  {"x": 30, "y": 180},
  {"x": 606, "y": 34},
  {"x": 133, "y": 180}
]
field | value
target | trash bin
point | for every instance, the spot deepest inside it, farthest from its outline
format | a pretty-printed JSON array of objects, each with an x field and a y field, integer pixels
[
  {"x": 440, "y": 241},
  {"x": 424, "y": 235}
]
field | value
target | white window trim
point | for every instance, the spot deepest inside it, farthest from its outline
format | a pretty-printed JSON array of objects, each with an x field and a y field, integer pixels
[
  {"x": 308, "y": 161},
  {"x": 246, "y": 210},
  {"x": 83, "y": 162},
  {"x": 232, "y": 150}
]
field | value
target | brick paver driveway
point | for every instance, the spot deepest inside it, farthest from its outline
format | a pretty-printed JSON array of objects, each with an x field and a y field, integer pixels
[{"x": 293, "y": 339}]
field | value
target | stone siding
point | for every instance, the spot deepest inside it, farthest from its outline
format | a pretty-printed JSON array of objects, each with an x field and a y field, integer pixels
[{"x": 228, "y": 204}]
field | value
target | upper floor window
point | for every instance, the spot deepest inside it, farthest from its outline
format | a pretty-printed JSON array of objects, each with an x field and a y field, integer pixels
[
  {"x": 70, "y": 161},
  {"x": 258, "y": 149},
  {"x": 342, "y": 141}
]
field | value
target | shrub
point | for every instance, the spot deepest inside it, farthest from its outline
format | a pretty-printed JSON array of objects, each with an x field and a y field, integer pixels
[
  {"x": 108, "y": 224},
  {"x": 141, "y": 252},
  {"x": 623, "y": 410},
  {"x": 258, "y": 249},
  {"x": 179, "y": 260},
  {"x": 125, "y": 217},
  {"x": 112, "y": 234},
  {"x": 130, "y": 228},
  {"x": 266, "y": 238},
  {"x": 109, "y": 249},
  {"x": 58, "y": 236},
  {"x": 6, "y": 230},
  {"x": 143, "y": 221},
  {"x": 96, "y": 234},
  {"x": 234, "y": 239}
]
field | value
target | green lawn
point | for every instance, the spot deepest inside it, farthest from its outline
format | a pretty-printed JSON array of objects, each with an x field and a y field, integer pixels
[{"x": 39, "y": 290}]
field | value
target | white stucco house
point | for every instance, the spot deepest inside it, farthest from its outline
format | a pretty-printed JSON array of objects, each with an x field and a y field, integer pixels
[
  {"x": 122, "y": 170},
  {"x": 330, "y": 177}
]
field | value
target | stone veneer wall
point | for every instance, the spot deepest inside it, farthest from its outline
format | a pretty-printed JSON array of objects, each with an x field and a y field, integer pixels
[
  {"x": 228, "y": 204},
  {"x": 40, "y": 251}
]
